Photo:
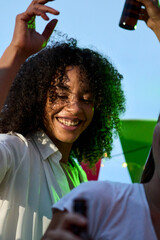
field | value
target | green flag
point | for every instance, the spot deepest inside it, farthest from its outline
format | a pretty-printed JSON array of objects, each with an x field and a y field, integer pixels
[{"x": 136, "y": 140}]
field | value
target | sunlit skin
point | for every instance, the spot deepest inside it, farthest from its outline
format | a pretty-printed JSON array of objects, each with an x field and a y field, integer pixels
[{"x": 70, "y": 114}]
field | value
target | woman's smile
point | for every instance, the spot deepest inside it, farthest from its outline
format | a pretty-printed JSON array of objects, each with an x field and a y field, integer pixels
[
  {"x": 66, "y": 118},
  {"x": 68, "y": 122}
]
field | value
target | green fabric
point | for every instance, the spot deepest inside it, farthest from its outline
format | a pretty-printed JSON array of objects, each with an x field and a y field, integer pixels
[
  {"x": 136, "y": 140},
  {"x": 74, "y": 173}
]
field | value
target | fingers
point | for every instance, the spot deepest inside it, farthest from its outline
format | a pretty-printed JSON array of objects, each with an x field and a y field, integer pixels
[
  {"x": 44, "y": 8},
  {"x": 60, "y": 235},
  {"x": 151, "y": 10},
  {"x": 49, "y": 29},
  {"x": 38, "y": 11},
  {"x": 42, "y": 1},
  {"x": 64, "y": 220},
  {"x": 38, "y": 3},
  {"x": 147, "y": 3},
  {"x": 143, "y": 15},
  {"x": 75, "y": 219},
  {"x": 37, "y": 8},
  {"x": 60, "y": 226}
]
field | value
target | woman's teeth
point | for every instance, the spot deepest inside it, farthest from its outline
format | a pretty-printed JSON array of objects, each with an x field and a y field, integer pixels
[{"x": 68, "y": 122}]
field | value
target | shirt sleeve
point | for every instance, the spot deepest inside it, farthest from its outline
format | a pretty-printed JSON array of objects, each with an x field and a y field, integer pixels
[
  {"x": 5, "y": 160},
  {"x": 95, "y": 192}
]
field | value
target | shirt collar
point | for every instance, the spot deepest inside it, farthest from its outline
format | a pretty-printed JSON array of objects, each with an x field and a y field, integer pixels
[{"x": 45, "y": 146}]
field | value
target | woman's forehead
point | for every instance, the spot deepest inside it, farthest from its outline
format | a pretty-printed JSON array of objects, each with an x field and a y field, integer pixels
[
  {"x": 83, "y": 88},
  {"x": 74, "y": 75}
]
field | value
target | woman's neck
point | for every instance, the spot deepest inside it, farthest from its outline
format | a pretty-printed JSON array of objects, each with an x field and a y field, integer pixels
[
  {"x": 152, "y": 191},
  {"x": 64, "y": 148}
]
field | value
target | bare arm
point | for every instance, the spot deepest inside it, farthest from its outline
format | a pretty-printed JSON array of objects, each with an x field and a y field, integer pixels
[
  {"x": 156, "y": 145},
  {"x": 25, "y": 42},
  {"x": 152, "y": 15}
]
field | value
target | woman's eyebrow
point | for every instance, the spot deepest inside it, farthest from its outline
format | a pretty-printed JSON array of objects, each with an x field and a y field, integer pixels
[{"x": 63, "y": 87}]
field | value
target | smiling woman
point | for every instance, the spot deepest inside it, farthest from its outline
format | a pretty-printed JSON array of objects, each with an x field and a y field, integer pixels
[
  {"x": 71, "y": 113},
  {"x": 62, "y": 103},
  {"x": 76, "y": 81}
]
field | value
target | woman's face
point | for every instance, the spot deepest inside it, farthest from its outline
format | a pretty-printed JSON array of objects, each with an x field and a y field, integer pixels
[{"x": 71, "y": 113}]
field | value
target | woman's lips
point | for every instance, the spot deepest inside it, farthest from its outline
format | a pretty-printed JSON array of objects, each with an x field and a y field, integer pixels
[{"x": 69, "y": 122}]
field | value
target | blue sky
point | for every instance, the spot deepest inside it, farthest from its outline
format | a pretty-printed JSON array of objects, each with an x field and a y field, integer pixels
[{"x": 135, "y": 54}]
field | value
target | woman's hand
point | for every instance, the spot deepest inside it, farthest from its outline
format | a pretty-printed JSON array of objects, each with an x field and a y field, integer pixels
[
  {"x": 25, "y": 38},
  {"x": 25, "y": 42},
  {"x": 151, "y": 15}
]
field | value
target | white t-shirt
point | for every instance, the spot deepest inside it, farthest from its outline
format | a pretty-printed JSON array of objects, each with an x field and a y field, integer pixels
[
  {"x": 31, "y": 180},
  {"x": 116, "y": 211}
]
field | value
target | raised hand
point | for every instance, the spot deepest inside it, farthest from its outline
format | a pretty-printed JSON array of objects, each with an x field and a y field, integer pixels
[
  {"x": 151, "y": 15},
  {"x": 25, "y": 42},
  {"x": 25, "y": 37}
]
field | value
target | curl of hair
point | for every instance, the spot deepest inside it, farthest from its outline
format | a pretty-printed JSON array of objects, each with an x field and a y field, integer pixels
[{"x": 23, "y": 111}]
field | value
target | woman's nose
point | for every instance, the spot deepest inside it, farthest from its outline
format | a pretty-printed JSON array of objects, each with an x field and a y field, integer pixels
[{"x": 74, "y": 106}]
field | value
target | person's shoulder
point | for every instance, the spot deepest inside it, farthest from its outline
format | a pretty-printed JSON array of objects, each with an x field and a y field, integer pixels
[
  {"x": 13, "y": 146},
  {"x": 99, "y": 186},
  {"x": 12, "y": 139},
  {"x": 107, "y": 190},
  {"x": 157, "y": 130}
]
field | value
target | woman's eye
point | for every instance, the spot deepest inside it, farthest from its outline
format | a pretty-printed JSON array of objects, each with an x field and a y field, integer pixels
[
  {"x": 62, "y": 96},
  {"x": 87, "y": 101}
]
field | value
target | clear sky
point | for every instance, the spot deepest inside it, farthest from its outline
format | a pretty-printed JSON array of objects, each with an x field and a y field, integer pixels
[{"x": 135, "y": 54}]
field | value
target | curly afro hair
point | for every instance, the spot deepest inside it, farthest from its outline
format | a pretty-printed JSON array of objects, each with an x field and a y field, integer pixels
[{"x": 23, "y": 111}]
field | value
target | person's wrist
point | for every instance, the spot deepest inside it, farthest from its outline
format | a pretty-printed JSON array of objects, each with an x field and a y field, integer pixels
[
  {"x": 17, "y": 53},
  {"x": 13, "y": 57},
  {"x": 157, "y": 32}
]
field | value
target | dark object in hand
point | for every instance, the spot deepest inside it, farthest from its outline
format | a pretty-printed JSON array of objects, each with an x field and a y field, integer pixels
[
  {"x": 130, "y": 15},
  {"x": 80, "y": 207}
]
